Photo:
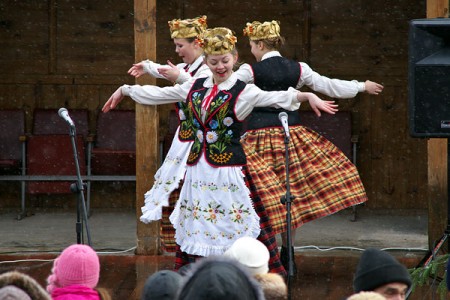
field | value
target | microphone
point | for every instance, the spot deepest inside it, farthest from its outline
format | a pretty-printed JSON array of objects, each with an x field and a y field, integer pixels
[
  {"x": 283, "y": 116},
  {"x": 63, "y": 113}
]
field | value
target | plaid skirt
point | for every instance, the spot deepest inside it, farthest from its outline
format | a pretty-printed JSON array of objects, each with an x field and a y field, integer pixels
[
  {"x": 322, "y": 179},
  {"x": 167, "y": 232},
  {"x": 266, "y": 236}
]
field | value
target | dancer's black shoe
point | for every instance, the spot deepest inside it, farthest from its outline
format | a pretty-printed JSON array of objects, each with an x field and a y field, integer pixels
[{"x": 284, "y": 258}]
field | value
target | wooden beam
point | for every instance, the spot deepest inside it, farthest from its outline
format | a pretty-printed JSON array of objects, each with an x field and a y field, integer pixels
[
  {"x": 52, "y": 36},
  {"x": 147, "y": 123},
  {"x": 306, "y": 36},
  {"x": 437, "y": 160},
  {"x": 437, "y": 8}
]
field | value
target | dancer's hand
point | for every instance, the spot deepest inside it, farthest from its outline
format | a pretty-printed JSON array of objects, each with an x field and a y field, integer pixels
[
  {"x": 171, "y": 73},
  {"x": 137, "y": 70},
  {"x": 318, "y": 104},
  {"x": 373, "y": 88},
  {"x": 113, "y": 101}
]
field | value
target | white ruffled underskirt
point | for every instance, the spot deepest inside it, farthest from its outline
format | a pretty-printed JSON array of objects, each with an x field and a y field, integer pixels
[{"x": 167, "y": 179}]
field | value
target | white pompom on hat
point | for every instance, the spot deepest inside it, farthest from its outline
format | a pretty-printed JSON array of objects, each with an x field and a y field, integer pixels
[{"x": 251, "y": 253}]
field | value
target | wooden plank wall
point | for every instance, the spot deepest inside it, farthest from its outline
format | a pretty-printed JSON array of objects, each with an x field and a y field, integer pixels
[
  {"x": 75, "y": 53},
  {"x": 64, "y": 53}
]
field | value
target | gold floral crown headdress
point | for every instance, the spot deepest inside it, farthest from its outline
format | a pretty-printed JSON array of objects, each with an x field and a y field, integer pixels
[
  {"x": 262, "y": 31},
  {"x": 187, "y": 28},
  {"x": 216, "y": 41}
]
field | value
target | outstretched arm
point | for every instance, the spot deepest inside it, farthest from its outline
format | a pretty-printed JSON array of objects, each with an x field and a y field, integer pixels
[
  {"x": 149, "y": 94},
  {"x": 146, "y": 66},
  {"x": 335, "y": 88},
  {"x": 137, "y": 70},
  {"x": 171, "y": 73},
  {"x": 373, "y": 88},
  {"x": 113, "y": 101},
  {"x": 318, "y": 104}
]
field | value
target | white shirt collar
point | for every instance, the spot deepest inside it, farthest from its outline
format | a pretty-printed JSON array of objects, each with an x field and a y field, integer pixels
[
  {"x": 196, "y": 63},
  {"x": 270, "y": 54},
  {"x": 226, "y": 85}
]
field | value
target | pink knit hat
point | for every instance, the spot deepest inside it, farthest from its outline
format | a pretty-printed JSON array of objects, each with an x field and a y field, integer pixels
[{"x": 77, "y": 264}]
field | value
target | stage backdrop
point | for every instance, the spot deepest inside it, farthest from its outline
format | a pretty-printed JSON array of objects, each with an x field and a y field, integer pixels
[{"x": 74, "y": 54}]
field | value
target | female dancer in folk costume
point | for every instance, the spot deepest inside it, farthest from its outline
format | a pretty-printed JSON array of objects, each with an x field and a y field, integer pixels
[
  {"x": 322, "y": 179},
  {"x": 161, "y": 198},
  {"x": 216, "y": 206}
]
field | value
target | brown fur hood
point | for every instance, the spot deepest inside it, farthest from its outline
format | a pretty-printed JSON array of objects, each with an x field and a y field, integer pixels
[
  {"x": 25, "y": 283},
  {"x": 273, "y": 285}
]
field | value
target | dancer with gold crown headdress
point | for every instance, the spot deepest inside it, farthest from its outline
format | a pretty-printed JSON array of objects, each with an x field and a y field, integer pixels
[
  {"x": 216, "y": 207},
  {"x": 161, "y": 198},
  {"x": 322, "y": 179}
]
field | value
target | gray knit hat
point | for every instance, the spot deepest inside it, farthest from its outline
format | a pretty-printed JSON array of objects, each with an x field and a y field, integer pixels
[
  {"x": 162, "y": 285},
  {"x": 377, "y": 268},
  {"x": 219, "y": 278}
]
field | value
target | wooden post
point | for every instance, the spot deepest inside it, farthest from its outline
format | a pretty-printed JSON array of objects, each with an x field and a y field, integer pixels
[
  {"x": 437, "y": 160},
  {"x": 147, "y": 123}
]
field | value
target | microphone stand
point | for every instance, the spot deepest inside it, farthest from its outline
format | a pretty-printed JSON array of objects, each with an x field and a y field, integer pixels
[
  {"x": 286, "y": 200},
  {"x": 78, "y": 187}
]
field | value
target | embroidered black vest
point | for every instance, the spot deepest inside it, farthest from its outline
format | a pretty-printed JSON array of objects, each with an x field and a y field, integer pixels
[
  {"x": 217, "y": 138},
  {"x": 186, "y": 132},
  {"x": 274, "y": 74}
]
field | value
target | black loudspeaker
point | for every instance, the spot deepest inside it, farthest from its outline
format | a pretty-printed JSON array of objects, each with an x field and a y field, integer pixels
[{"x": 429, "y": 77}]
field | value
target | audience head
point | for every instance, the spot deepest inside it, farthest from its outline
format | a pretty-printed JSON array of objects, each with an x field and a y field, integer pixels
[
  {"x": 252, "y": 253},
  {"x": 184, "y": 269},
  {"x": 76, "y": 265},
  {"x": 380, "y": 272},
  {"x": 366, "y": 296},
  {"x": 16, "y": 285},
  {"x": 219, "y": 278},
  {"x": 273, "y": 285},
  {"x": 162, "y": 285}
]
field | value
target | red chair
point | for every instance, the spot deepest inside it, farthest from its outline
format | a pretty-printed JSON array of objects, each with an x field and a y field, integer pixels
[
  {"x": 114, "y": 147},
  {"x": 50, "y": 153},
  {"x": 12, "y": 131},
  {"x": 337, "y": 129},
  {"x": 13, "y": 148}
]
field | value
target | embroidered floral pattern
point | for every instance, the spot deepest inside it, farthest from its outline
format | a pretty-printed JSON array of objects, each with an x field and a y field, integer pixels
[
  {"x": 194, "y": 209},
  {"x": 219, "y": 136},
  {"x": 238, "y": 213},
  {"x": 200, "y": 136},
  {"x": 211, "y": 137},
  {"x": 181, "y": 115},
  {"x": 228, "y": 121},
  {"x": 229, "y": 187},
  {"x": 186, "y": 120},
  {"x": 213, "y": 212},
  {"x": 213, "y": 124}
]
